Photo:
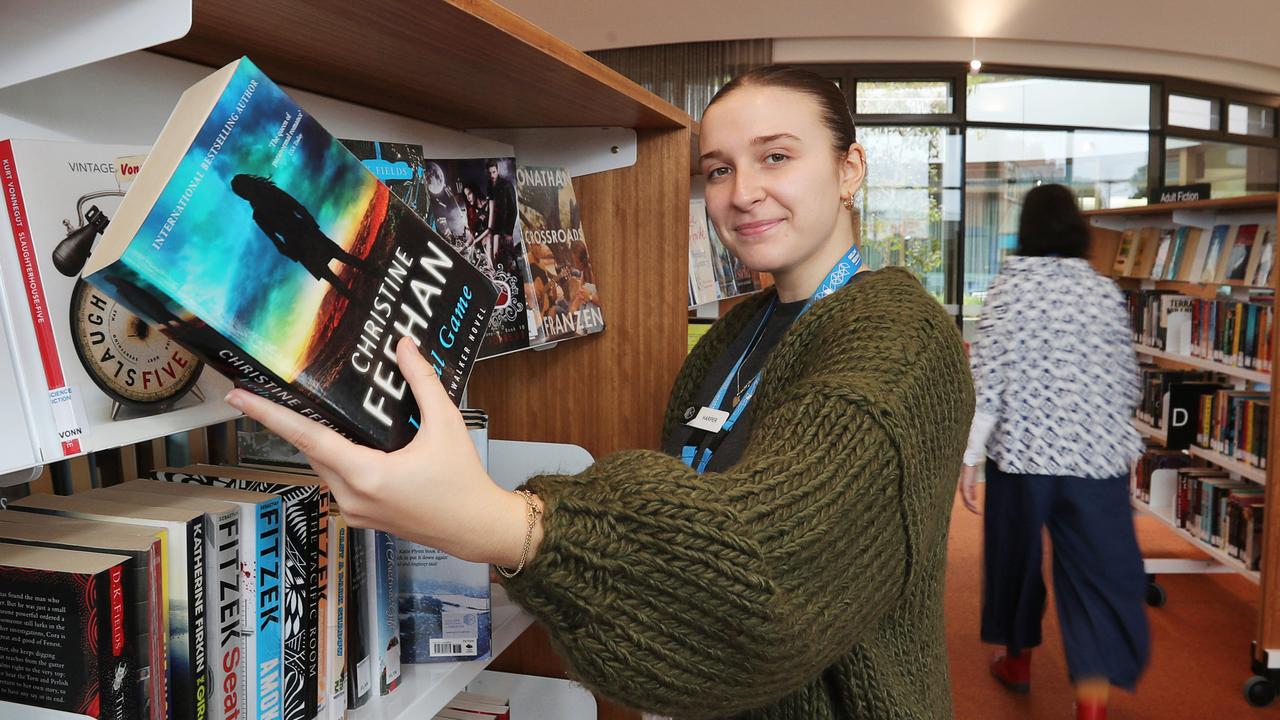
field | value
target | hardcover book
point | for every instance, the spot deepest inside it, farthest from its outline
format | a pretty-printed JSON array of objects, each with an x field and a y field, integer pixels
[
  {"x": 93, "y": 375},
  {"x": 256, "y": 240},
  {"x": 565, "y": 297},
  {"x": 64, "y": 632}
]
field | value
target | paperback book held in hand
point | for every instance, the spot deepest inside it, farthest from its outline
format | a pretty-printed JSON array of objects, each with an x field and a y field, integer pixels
[{"x": 255, "y": 239}]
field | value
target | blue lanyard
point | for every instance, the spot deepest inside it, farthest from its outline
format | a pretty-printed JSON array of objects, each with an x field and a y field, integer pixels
[{"x": 837, "y": 278}]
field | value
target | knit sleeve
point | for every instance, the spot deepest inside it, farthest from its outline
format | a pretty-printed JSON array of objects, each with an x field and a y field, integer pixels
[
  {"x": 698, "y": 595},
  {"x": 989, "y": 350}
]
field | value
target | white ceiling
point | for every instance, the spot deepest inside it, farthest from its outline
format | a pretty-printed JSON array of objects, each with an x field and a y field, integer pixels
[{"x": 1244, "y": 34}]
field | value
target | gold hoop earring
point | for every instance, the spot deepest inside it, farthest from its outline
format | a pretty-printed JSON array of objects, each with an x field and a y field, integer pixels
[{"x": 847, "y": 202}]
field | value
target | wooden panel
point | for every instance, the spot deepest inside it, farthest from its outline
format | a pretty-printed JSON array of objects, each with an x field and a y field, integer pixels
[
  {"x": 606, "y": 392},
  {"x": 460, "y": 63},
  {"x": 1269, "y": 604}
]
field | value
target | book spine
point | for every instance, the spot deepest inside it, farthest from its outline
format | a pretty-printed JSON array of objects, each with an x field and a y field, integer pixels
[
  {"x": 161, "y": 671},
  {"x": 383, "y": 595},
  {"x": 119, "y": 695},
  {"x": 323, "y": 638},
  {"x": 336, "y": 680},
  {"x": 66, "y": 424},
  {"x": 269, "y": 591},
  {"x": 229, "y": 666},
  {"x": 359, "y": 677},
  {"x": 197, "y": 635},
  {"x": 318, "y": 517}
]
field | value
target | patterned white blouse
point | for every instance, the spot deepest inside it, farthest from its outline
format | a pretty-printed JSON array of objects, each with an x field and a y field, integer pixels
[{"x": 1055, "y": 372}]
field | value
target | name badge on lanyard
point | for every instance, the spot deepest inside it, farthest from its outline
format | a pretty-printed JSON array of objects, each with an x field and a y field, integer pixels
[
  {"x": 715, "y": 421},
  {"x": 709, "y": 419}
]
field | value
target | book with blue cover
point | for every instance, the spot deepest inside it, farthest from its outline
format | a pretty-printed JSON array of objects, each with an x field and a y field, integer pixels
[{"x": 255, "y": 239}]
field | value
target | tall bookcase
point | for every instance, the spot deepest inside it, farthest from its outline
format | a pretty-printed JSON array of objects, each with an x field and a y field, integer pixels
[
  {"x": 1106, "y": 229},
  {"x": 471, "y": 65}
]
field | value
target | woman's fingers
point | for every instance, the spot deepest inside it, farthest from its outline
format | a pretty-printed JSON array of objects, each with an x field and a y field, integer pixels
[
  {"x": 319, "y": 443},
  {"x": 434, "y": 403}
]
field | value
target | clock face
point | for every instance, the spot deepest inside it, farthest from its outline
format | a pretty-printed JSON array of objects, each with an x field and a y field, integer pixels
[{"x": 128, "y": 359}]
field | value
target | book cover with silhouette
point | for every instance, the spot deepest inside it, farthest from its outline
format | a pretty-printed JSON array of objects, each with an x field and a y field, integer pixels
[{"x": 255, "y": 239}]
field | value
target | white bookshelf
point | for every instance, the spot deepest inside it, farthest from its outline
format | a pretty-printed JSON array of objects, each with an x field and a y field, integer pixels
[
  {"x": 1234, "y": 371},
  {"x": 424, "y": 689},
  {"x": 1248, "y": 472},
  {"x": 1165, "y": 516}
]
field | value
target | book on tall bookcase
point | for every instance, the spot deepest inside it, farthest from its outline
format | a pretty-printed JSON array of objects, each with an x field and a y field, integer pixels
[
  {"x": 224, "y": 645},
  {"x": 563, "y": 292},
  {"x": 260, "y": 517},
  {"x": 253, "y": 238},
  {"x": 182, "y": 547},
  {"x": 300, "y": 496},
  {"x": 143, "y": 576},
  {"x": 64, "y": 631}
]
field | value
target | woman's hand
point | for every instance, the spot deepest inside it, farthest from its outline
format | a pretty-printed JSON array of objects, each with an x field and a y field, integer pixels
[
  {"x": 969, "y": 488},
  {"x": 434, "y": 491}
]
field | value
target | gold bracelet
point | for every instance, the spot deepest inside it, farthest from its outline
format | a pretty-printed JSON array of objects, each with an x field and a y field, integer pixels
[{"x": 534, "y": 512}]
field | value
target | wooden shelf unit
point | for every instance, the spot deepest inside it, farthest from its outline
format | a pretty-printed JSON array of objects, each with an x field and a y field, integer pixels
[
  {"x": 1188, "y": 361},
  {"x": 471, "y": 65},
  {"x": 1105, "y": 244}
]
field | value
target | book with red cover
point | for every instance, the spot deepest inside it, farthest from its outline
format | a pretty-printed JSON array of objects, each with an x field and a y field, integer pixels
[{"x": 64, "y": 632}]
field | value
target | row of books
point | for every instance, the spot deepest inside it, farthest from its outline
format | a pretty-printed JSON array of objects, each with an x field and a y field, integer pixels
[
  {"x": 1227, "y": 331},
  {"x": 250, "y": 239},
  {"x": 1200, "y": 408},
  {"x": 1213, "y": 508},
  {"x": 1163, "y": 404},
  {"x": 229, "y": 592},
  {"x": 1235, "y": 423},
  {"x": 714, "y": 272},
  {"x": 1229, "y": 253}
]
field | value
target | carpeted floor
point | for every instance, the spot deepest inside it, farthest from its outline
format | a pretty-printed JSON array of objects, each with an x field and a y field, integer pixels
[{"x": 1200, "y": 650}]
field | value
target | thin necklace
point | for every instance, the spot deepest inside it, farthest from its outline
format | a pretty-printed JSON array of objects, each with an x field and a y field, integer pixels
[{"x": 737, "y": 374}]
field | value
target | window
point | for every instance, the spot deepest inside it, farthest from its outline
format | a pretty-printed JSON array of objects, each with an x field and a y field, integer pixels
[
  {"x": 1251, "y": 120},
  {"x": 1058, "y": 101},
  {"x": 1197, "y": 113},
  {"x": 910, "y": 202},
  {"x": 912, "y": 97},
  {"x": 1230, "y": 169},
  {"x": 1104, "y": 168}
]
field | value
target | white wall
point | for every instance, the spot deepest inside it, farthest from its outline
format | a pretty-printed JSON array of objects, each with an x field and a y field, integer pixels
[{"x": 1227, "y": 41}]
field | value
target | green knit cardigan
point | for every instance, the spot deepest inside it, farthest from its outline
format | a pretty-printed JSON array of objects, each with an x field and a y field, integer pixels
[{"x": 807, "y": 581}]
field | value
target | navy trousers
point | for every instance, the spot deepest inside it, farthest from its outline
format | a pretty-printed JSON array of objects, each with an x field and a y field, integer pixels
[{"x": 1098, "y": 580}]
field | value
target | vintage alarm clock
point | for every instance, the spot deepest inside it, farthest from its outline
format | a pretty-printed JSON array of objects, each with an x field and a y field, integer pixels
[{"x": 135, "y": 364}]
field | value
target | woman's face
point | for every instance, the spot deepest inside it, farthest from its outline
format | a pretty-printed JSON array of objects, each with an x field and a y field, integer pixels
[{"x": 774, "y": 181}]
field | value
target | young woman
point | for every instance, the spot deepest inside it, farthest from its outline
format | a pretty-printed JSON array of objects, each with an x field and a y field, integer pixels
[
  {"x": 784, "y": 558},
  {"x": 1057, "y": 382}
]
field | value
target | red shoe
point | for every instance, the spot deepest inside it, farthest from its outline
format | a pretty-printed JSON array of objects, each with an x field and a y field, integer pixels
[
  {"x": 1013, "y": 671},
  {"x": 1091, "y": 710}
]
